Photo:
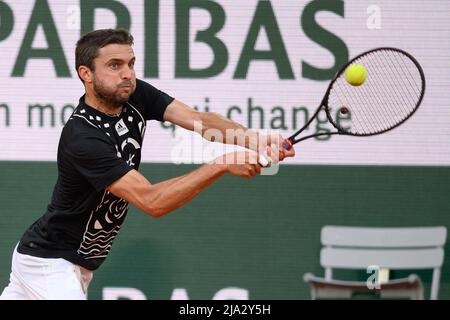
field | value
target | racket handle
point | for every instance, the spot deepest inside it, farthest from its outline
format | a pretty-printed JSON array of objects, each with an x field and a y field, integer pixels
[
  {"x": 262, "y": 160},
  {"x": 287, "y": 144}
]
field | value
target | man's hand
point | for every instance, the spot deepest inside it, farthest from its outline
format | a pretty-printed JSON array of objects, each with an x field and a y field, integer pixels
[
  {"x": 274, "y": 147},
  {"x": 240, "y": 163}
]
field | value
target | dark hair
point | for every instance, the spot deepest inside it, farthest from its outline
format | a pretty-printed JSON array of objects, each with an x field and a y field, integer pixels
[{"x": 89, "y": 44}]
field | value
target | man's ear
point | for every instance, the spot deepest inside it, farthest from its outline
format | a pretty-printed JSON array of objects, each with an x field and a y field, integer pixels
[{"x": 85, "y": 73}]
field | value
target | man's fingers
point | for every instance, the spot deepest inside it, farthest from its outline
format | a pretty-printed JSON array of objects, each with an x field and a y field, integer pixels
[
  {"x": 282, "y": 153},
  {"x": 289, "y": 153}
]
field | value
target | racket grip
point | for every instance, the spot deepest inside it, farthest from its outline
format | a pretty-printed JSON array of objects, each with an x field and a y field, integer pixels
[
  {"x": 287, "y": 144},
  {"x": 262, "y": 160}
]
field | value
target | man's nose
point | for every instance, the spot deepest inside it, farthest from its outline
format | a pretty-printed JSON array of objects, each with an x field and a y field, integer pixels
[{"x": 127, "y": 73}]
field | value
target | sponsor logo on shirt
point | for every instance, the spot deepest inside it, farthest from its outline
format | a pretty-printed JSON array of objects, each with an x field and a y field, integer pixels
[{"x": 121, "y": 128}]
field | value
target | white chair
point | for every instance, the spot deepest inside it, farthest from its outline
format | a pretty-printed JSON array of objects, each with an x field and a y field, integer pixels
[{"x": 378, "y": 250}]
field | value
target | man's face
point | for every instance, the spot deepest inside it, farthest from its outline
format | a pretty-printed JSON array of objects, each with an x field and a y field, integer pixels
[{"x": 114, "y": 75}]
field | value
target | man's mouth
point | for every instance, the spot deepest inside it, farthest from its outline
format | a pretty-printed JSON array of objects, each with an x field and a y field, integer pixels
[{"x": 126, "y": 85}]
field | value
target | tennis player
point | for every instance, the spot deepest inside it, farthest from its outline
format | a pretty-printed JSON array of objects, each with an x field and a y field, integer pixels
[{"x": 98, "y": 158}]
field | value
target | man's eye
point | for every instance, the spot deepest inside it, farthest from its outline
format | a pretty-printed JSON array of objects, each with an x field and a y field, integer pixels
[{"x": 114, "y": 65}]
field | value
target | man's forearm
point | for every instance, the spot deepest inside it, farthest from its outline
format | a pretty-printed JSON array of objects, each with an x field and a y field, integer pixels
[
  {"x": 217, "y": 128},
  {"x": 169, "y": 195}
]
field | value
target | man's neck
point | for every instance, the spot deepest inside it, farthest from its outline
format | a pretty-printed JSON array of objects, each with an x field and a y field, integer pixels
[{"x": 92, "y": 101}]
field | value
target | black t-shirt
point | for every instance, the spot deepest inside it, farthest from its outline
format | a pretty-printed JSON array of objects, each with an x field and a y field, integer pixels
[{"x": 94, "y": 150}]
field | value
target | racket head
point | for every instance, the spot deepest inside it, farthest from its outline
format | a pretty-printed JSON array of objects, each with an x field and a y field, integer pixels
[{"x": 391, "y": 94}]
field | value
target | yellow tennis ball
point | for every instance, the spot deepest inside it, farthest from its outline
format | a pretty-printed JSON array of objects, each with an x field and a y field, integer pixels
[{"x": 356, "y": 74}]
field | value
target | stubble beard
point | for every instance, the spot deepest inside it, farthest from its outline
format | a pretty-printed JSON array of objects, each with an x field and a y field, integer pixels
[{"x": 111, "y": 99}]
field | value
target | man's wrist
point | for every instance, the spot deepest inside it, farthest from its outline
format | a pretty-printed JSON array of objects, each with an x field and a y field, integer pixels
[{"x": 220, "y": 164}]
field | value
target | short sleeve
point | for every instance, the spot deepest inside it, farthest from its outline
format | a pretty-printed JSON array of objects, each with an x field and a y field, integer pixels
[
  {"x": 96, "y": 159},
  {"x": 151, "y": 101}
]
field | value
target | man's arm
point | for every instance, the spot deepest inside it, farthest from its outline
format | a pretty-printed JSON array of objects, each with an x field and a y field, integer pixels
[
  {"x": 208, "y": 123},
  {"x": 215, "y": 127},
  {"x": 163, "y": 197}
]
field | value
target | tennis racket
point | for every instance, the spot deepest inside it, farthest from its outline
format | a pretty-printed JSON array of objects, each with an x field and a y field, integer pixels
[{"x": 391, "y": 93}]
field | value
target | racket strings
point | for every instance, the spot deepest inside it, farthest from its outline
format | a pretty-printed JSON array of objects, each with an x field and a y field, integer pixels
[
  {"x": 369, "y": 91},
  {"x": 389, "y": 100},
  {"x": 342, "y": 94},
  {"x": 390, "y": 94},
  {"x": 406, "y": 94},
  {"x": 413, "y": 85}
]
